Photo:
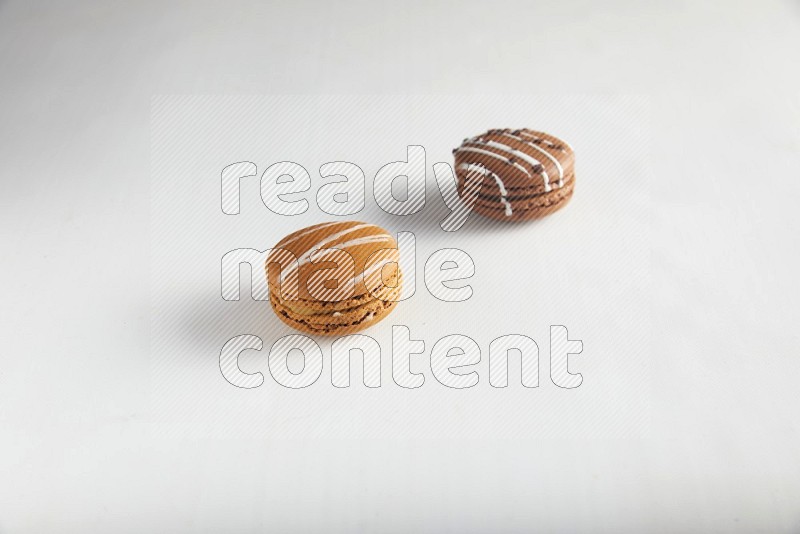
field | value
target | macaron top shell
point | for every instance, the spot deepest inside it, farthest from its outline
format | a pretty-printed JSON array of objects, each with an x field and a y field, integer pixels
[
  {"x": 525, "y": 159},
  {"x": 333, "y": 261}
]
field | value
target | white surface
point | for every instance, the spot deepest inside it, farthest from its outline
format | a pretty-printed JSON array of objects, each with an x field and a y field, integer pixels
[
  {"x": 586, "y": 268},
  {"x": 82, "y": 445}
]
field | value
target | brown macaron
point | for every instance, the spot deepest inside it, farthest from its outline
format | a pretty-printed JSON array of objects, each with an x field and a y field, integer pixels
[
  {"x": 334, "y": 278},
  {"x": 528, "y": 174}
]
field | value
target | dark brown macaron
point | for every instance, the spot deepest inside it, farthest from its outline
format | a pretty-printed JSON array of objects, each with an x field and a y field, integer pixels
[{"x": 526, "y": 174}]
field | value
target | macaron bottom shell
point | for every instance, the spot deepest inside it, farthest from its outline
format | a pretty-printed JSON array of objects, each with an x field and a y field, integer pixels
[
  {"x": 519, "y": 206},
  {"x": 327, "y": 321}
]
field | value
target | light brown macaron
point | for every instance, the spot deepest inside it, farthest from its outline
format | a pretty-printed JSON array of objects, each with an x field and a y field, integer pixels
[
  {"x": 528, "y": 174},
  {"x": 334, "y": 278}
]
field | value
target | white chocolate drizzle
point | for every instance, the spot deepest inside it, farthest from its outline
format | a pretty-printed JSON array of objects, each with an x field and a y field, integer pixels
[
  {"x": 354, "y": 243},
  {"x": 543, "y": 151},
  {"x": 500, "y": 185},
  {"x": 517, "y": 153},
  {"x": 304, "y": 258},
  {"x": 363, "y": 241},
  {"x": 548, "y": 142},
  {"x": 308, "y": 231},
  {"x": 493, "y": 155}
]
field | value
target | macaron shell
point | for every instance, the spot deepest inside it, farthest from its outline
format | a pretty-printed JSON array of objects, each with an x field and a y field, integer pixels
[{"x": 371, "y": 248}]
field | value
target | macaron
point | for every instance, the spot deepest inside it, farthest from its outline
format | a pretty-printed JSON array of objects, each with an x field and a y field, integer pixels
[
  {"x": 527, "y": 174},
  {"x": 334, "y": 278}
]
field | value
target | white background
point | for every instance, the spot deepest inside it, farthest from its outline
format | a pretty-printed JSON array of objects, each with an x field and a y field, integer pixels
[
  {"x": 84, "y": 447},
  {"x": 586, "y": 269}
]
